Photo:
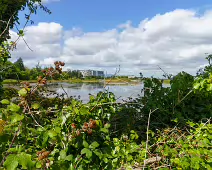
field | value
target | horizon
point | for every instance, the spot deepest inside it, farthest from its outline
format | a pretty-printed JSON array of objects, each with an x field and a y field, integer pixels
[{"x": 138, "y": 36}]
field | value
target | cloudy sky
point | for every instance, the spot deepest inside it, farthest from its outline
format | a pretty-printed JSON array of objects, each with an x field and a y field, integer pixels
[{"x": 138, "y": 35}]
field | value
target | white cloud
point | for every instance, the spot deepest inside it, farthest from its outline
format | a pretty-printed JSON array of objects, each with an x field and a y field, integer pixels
[
  {"x": 176, "y": 41},
  {"x": 44, "y": 39}
]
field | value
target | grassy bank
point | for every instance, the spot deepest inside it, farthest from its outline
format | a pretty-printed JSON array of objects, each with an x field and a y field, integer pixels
[
  {"x": 108, "y": 81},
  {"x": 166, "y": 81}
]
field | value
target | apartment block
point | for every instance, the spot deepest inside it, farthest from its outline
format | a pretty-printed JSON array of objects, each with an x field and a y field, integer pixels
[{"x": 87, "y": 73}]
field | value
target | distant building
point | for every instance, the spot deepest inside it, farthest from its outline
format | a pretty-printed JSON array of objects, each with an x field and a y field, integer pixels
[
  {"x": 97, "y": 73},
  {"x": 89, "y": 73},
  {"x": 85, "y": 73}
]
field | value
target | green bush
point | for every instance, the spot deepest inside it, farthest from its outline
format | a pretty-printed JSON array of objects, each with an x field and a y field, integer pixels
[{"x": 167, "y": 128}]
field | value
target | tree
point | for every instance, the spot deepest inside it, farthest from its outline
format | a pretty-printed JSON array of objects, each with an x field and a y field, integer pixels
[
  {"x": 9, "y": 14},
  {"x": 141, "y": 75},
  {"x": 19, "y": 64},
  {"x": 9, "y": 10},
  {"x": 74, "y": 74}
]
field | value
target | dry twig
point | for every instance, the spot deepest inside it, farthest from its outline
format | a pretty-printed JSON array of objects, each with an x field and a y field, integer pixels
[
  {"x": 7, "y": 25},
  {"x": 147, "y": 137}
]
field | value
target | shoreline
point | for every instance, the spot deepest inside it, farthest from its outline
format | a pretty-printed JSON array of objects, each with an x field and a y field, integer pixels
[{"x": 73, "y": 81}]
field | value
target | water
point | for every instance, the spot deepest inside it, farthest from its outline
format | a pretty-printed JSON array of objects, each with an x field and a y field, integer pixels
[
  {"x": 121, "y": 91},
  {"x": 84, "y": 89}
]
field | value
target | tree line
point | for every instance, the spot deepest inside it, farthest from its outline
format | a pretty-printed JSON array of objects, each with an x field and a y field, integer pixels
[{"x": 17, "y": 70}]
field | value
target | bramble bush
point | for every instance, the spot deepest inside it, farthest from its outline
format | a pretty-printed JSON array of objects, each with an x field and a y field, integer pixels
[
  {"x": 106, "y": 134},
  {"x": 163, "y": 128}
]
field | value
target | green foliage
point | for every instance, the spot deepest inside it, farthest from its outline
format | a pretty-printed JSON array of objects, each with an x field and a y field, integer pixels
[
  {"x": 9, "y": 93},
  {"x": 203, "y": 81},
  {"x": 15, "y": 70},
  {"x": 187, "y": 151},
  {"x": 20, "y": 65},
  {"x": 74, "y": 74},
  {"x": 204, "y": 84},
  {"x": 22, "y": 159},
  {"x": 8, "y": 19},
  {"x": 40, "y": 133},
  {"x": 9, "y": 14}
]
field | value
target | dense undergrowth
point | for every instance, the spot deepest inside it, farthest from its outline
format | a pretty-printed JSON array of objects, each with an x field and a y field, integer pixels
[{"x": 167, "y": 128}]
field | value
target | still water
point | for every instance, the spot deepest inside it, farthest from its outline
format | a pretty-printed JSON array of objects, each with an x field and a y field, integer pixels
[
  {"x": 82, "y": 90},
  {"x": 121, "y": 91}
]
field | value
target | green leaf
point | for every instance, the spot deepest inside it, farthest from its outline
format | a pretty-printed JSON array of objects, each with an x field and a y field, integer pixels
[
  {"x": 35, "y": 106},
  {"x": 16, "y": 118},
  {"x": 104, "y": 130},
  {"x": 5, "y": 101},
  {"x": 11, "y": 162},
  {"x": 196, "y": 85},
  {"x": 94, "y": 145},
  {"x": 38, "y": 165},
  {"x": 52, "y": 133},
  {"x": 192, "y": 124},
  {"x": 105, "y": 160},
  {"x": 13, "y": 107},
  {"x": 91, "y": 98},
  {"x": 25, "y": 161},
  {"x": 98, "y": 153},
  {"x": 69, "y": 158},
  {"x": 87, "y": 152},
  {"x": 12, "y": 150},
  {"x": 57, "y": 129},
  {"x": 45, "y": 139},
  {"x": 21, "y": 33},
  {"x": 85, "y": 144},
  {"x": 62, "y": 154},
  {"x": 22, "y": 159},
  {"x": 209, "y": 87},
  {"x": 107, "y": 125},
  {"x": 71, "y": 167},
  {"x": 22, "y": 92}
]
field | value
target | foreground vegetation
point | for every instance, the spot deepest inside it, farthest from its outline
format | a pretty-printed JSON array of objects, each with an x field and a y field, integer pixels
[{"x": 167, "y": 128}]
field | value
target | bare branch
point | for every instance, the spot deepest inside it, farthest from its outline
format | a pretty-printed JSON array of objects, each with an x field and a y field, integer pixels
[
  {"x": 7, "y": 25},
  {"x": 152, "y": 160},
  {"x": 147, "y": 136},
  {"x": 23, "y": 37},
  {"x": 64, "y": 91},
  {"x": 27, "y": 44}
]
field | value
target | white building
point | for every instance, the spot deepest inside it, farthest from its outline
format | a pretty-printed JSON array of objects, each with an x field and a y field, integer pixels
[{"x": 87, "y": 73}]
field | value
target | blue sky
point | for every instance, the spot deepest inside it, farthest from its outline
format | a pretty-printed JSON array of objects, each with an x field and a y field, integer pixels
[
  {"x": 174, "y": 34},
  {"x": 100, "y": 15}
]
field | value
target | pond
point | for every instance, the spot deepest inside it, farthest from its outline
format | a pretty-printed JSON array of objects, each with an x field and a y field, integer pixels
[
  {"x": 82, "y": 90},
  {"x": 121, "y": 91}
]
